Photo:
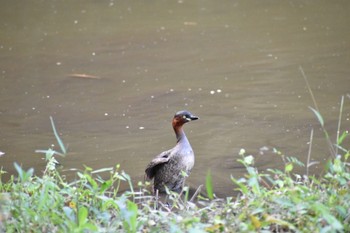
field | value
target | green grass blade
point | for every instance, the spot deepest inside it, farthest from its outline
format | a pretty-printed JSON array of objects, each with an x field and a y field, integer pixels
[
  {"x": 318, "y": 115},
  {"x": 339, "y": 122},
  {"x": 209, "y": 186},
  {"x": 342, "y": 137},
  {"x": 23, "y": 175},
  {"x": 106, "y": 169},
  {"x": 19, "y": 170},
  {"x": 82, "y": 215},
  {"x": 308, "y": 87},
  {"x": 60, "y": 142}
]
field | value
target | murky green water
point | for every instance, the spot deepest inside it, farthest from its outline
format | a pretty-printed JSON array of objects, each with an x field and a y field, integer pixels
[{"x": 233, "y": 63}]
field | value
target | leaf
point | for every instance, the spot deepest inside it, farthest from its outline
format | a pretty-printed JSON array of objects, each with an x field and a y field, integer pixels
[
  {"x": 284, "y": 202},
  {"x": 82, "y": 215},
  {"x": 209, "y": 185},
  {"x": 275, "y": 220},
  {"x": 107, "y": 169},
  {"x": 91, "y": 181},
  {"x": 105, "y": 185},
  {"x": 128, "y": 178},
  {"x": 49, "y": 153},
  {"x": 219, "y": 227},
  {"x": 342, "y": 211},
  {"x": 184, "y": 174},
  {"x": 289, "y": 167},
  {"x": 19, "y": 170},
  {"x": 337, "y": 165},
  {"x": 253, "y": 181},
  {"x": 90, "y": 227},
  {"x": 69, "y": 213},
  {"x": 256, "y": 222},
  {"x": 280, "y": 183},
  {"x": 318, "y": 115},
  {"x": 132, "y": 208},
  {"x": 240, "y": 183},
  {"x": 347, "y": 155},
  {"x": 23, "y": 175},
  {"x": 327, "y": 215},
  {"x": 128, "y": 213},
  {"x": 342, "y": 137},
  {"x": 313, "y": 163},
  {"x": 60, "y": 142},
  {"x": 252, "y": 171}
]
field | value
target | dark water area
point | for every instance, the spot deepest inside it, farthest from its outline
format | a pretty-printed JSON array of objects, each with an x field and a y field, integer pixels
[{"x": 235, "y": 64}]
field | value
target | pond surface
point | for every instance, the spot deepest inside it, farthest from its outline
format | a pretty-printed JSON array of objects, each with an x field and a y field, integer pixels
[{"x": 235, "y": 64}]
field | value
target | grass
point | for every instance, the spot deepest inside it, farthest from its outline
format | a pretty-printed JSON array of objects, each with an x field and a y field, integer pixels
[{"x": 272, "y": 201}]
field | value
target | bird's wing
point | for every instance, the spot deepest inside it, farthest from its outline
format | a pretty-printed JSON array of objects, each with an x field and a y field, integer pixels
[{"x": 153, "y": 166}]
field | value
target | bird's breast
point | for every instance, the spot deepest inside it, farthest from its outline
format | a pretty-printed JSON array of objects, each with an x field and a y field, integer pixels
[{"x": 186, "y": 159}]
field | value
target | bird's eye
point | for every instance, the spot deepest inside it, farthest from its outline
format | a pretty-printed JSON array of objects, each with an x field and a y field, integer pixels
[{"x": 184, "y": 117}]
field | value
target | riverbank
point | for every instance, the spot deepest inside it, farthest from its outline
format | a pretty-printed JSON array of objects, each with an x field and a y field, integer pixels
[{"x": 277, "y": 201}]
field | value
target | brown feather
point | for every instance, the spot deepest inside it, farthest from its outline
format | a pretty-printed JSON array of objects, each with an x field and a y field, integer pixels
[{"x": 155, "y": 164}]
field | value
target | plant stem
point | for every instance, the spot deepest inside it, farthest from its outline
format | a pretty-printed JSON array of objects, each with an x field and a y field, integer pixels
[
  {"x": 309, "y": 152},
  {"x": 339, "y": 123}
]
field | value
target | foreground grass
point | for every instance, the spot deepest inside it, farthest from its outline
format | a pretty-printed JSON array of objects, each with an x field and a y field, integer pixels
[
  {"x": 273, "y": 201},
  {"x": 285, "y": 203}
]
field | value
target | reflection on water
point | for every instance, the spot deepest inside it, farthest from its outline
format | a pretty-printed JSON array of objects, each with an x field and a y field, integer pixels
[{"x": 234, "y": 64}]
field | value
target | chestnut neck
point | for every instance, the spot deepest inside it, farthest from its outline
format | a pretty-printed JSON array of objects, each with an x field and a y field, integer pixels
[{"x": 179, "y": 132}]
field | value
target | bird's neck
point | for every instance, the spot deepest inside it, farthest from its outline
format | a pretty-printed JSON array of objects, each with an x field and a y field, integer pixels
[{"x": 180, "y": 134}]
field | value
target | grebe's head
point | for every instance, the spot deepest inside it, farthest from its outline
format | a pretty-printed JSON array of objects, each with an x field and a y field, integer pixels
[{"x": 183, "y": 117}]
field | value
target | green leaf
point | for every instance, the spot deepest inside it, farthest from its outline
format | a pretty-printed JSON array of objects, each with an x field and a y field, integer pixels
[
  {"x": 337, "y": 165},
  {"x": 105, "y": 185},
  {"x": 49, "y": 153},
  {"x": 128, "y": 178},
  {"x": 69, "y": 213},
  {"x": 91, "y": 181},
  {"x": 82, "y": 215},
  {"x": 23, "y": 175},
  {"x": 342, "y": 211},
  {"x": 132, "y": 209},
  {"x": 107, "y": 169},
  {"x": 240, "y": 183},
  {"x": 347, "y": 155},
  {"x": 19, "y": 170},
  {"x": 342, "y": 137},
  {"x": 278, "y": 221},
  {"x": 289, "y": 167},
  {"x": 90, "y": 227},
  {"x": 318, "y": 115},
  {"x": 280, "y": 183},
  {"x": 252, "y": 171},
  {"x": 60, "y": 142},
  {"x": 327, "y": 215},
  {"x": 209, "y": 185},
  {"x": 253, "y": 181}
]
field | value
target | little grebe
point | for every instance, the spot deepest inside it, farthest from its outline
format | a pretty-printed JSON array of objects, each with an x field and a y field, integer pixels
[{"x": 167, "y": 167}]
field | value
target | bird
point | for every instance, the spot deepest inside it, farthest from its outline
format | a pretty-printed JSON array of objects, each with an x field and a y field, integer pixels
[{"x": 167, "y": 168}]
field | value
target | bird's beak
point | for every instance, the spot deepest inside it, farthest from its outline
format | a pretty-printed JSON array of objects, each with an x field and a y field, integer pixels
[{"x": 192, "y": 118}]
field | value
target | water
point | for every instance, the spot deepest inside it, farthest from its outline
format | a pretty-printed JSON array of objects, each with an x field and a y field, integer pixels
[{"x": 235, "y": 64}]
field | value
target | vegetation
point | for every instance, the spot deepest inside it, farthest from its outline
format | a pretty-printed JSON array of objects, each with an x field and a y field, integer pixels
[{"x": 273, "y": 201}]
